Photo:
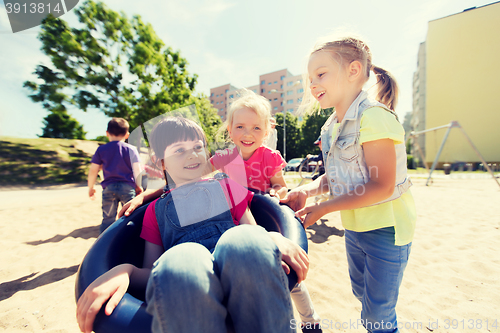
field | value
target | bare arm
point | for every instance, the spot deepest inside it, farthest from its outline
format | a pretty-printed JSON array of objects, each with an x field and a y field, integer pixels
[
  {"x": 278, "y": 184},
  {"x": 145, "y": 196},
  {"x": 113, "y": 285},
  {"x": 297, "y": 197},
  {"x": 380, "y": 156},
  {"x": 247, "y": 218},
  {"x": 93, "y": 171},
  {"x": 137, "y": 170}
]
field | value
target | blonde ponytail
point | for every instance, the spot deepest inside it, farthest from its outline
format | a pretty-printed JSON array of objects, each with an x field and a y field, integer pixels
[{"x": 387, "y": 87}]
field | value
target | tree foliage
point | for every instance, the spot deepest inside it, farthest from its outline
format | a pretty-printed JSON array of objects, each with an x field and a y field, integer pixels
[
  {"x": 300, "y": 135},
  {"x": 112, "y": 63},
  {"x": 292, "y": 135},
  {"x": 59, "y": 124}
]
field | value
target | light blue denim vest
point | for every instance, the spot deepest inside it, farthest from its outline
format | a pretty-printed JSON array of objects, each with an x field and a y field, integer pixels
[
  {"x": 345, "y": 165},
  {"x": 196, "y": 212}
]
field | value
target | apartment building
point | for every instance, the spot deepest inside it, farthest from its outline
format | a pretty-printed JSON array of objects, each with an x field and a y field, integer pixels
[
  {"x": 218, "y": 98},
  {"x": 283, "y": 90},
  {"x": 458, "y": 80}
]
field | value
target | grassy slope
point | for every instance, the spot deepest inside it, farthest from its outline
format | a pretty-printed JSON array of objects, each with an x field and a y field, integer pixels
[{"x": 44, "y": 161}]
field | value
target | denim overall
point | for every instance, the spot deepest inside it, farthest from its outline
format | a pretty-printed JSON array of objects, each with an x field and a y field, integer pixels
[
  {"x": 196, "y": 212},
  {"x": 345, "y": 164}
]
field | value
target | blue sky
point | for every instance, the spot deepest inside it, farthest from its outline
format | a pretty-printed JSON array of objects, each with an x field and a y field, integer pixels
[{"x": 227, "y": 41}]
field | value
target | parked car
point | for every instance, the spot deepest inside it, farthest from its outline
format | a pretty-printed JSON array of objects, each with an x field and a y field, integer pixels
[{"x": 293, "y": 164}]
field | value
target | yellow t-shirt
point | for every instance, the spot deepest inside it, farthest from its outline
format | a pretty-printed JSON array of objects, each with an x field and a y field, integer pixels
[{"x": 377, "y": 124}]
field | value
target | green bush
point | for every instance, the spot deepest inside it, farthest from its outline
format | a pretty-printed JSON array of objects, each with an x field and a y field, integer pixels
[{"x": 409, "y": 162}]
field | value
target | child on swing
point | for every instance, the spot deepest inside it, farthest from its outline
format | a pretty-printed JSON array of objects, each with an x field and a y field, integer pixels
[{"x": 198, "y": 266}]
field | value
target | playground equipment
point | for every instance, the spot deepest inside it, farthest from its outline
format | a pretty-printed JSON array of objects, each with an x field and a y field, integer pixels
[{"x": 453, "y": 124}]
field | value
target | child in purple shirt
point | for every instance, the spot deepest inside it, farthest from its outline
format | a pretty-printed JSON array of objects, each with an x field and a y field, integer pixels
[{"x": 119, "y": 162}]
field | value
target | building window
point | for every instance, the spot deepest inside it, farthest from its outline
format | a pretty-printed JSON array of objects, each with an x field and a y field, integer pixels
[
  {"x": 282, "y": 77},
  {"x": 270, "y": 100},
  {"x": 299, "y": 100},
  {"x": 212, "y": 101},
  {"x": 231, "y": 96},
  {"x": 255, "y": 90},
  {"x": 217, "y": 103},
  {"x": 289, "y": 83},
  {"x": 263, "y": 82},
  {"x": 221, "y": 109},
  {"x": 275, "y": 108},
  {"x": 281, "y": 86},
  {"x": 300, "y": 91},
  {"x": 263, "y": 91},
  {"x": 212, "y": 95},
  {"x": 290, "y": 101},
  {"x": 289, "y": 92},
  {"x": 275, "y": 99},
  {"x": 275, "y": 82},
  {"x": 289, "y": 110},
  {"x": 227, "y": 90},
  {"x": 269, "y": 84},
  {"x": 281, "y": 103}
]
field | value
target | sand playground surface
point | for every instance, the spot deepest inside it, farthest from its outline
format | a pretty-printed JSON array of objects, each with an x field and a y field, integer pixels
[{"x": 451, "y": 283}]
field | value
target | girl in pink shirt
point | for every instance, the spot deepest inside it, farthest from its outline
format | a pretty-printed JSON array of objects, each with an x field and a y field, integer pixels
[
  {"x": 255, "y": 166},
  {"x": 250, "y": 162}
]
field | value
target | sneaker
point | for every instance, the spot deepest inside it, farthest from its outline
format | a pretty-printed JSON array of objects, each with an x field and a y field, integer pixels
[{"x": 316, "y": 328}]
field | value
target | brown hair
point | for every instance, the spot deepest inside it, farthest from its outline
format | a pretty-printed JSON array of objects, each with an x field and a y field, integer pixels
[
  {"x": 171, "y": 130},
  {"x": 118, "y": 127},
  {"x": 349, "y": 49}
]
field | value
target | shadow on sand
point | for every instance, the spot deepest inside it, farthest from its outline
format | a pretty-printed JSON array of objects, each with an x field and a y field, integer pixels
[
  {"x": 85, "y": 233},
  {"x": 323, "y": 232},
  {"x": 8, "y": 289}
]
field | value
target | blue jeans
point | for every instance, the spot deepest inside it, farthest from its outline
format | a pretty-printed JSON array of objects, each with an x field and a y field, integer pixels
[
  {"x": 193, "y": 290},
  {"x": 111, "y": 196},
  {"x": 376, "y": 269}
]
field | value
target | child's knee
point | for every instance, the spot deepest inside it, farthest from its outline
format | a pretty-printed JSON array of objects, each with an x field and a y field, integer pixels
[{"x": 182, "y": 260}]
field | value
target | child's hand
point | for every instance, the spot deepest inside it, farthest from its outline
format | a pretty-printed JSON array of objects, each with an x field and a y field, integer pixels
[
  {"x": 310, "y": 214},
  {"x": 295, "y": 199},
  {"x": 280, "y": 194},
  {"x": 293, "y": 256},
  {"x": 130, "y": 206},
  {"x": 92, "y": 193},
  {"x": 111, "y": 285}
]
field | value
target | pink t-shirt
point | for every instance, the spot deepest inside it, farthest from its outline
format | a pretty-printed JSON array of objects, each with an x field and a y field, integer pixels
[
  {"x": 240, "y": 196},
  {"x": 256, "y": 172}
]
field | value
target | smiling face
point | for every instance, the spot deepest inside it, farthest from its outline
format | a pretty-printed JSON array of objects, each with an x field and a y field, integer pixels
[
  {"x": 185, "y": 161},
  {"x": 248, "y": 131},
  {"x": 328, "y": 79}
]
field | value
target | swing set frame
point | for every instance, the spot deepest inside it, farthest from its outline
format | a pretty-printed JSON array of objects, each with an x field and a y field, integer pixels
[{"x": 453, "y": 124}]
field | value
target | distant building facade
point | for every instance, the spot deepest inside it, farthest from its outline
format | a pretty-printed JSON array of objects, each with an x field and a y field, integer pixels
[
  {"x": 458, "y": 79},
  {"x": 283, "y": 90},
  {"x": 218, "y": 98}
]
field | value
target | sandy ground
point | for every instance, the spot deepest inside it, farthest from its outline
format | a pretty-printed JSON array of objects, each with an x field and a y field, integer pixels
[{"x": 451, "y": 283}]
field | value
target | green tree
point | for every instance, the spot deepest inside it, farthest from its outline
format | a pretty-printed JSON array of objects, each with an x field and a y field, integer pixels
[
  {"x": 113, "y": 63},
  {"x": 210, "y": 120},
  {"x": 310, "y": 130},
  {"x": 59, "y": 124},
  {"x": 292, "y": 135}
]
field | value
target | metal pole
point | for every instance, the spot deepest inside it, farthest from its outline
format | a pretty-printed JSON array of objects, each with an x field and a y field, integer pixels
[
  {"x": 284, "y": 134},
  {"x": 477, "y": 152},
  {"x": 450, "y": 126}
]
